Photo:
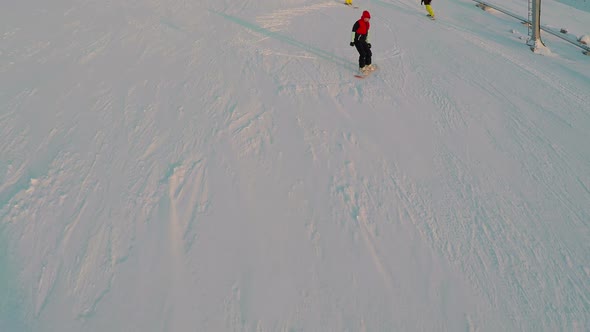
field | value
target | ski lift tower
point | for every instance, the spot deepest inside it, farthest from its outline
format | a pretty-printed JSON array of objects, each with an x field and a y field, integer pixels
[{"x": 534, "y": 40}]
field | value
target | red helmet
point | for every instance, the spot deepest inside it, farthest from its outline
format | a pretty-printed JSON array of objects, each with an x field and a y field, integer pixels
[{"x": 366, "y": 14}]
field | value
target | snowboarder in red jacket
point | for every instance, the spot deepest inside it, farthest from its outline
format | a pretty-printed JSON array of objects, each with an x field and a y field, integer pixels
[{"x": 360, "y": 40}]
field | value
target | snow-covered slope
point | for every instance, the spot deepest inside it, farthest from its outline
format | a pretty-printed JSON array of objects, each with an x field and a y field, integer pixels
[
  {"x": 577, "y": 4},
  {"x": 171, "y": 165}
]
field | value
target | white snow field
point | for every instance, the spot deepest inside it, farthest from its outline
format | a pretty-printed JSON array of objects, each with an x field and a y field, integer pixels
[{"x": 213, "y": 165}]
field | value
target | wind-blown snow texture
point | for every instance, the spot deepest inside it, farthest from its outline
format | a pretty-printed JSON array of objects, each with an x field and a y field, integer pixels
[{"x": 213, "y": 165}]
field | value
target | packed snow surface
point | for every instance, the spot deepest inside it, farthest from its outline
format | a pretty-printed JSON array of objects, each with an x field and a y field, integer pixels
[{"x": 213, "y": 165}]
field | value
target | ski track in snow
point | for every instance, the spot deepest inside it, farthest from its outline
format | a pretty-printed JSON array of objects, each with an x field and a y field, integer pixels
[{"x": 280, "y": 19}]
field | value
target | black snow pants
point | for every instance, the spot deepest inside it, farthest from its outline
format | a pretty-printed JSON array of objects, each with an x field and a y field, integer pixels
[{"x": 364, "y": 53}]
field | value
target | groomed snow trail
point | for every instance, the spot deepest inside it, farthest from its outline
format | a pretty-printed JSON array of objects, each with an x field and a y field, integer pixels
[{"x": 176, "y": 166}]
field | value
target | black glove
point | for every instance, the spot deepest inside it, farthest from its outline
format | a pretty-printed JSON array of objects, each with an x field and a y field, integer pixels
[
  {"x": 369, "y": 45},
  {"x": 422, "y": 2},
  {"x": 351, "y": 43}
]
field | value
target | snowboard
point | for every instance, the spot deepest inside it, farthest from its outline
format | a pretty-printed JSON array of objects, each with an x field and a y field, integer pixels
[
  {"x": 361, "y": 75},
  {"x": 351, "y": 6}
]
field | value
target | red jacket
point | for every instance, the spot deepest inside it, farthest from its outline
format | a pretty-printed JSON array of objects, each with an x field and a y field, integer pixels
[{"x": 361, "y": 28}]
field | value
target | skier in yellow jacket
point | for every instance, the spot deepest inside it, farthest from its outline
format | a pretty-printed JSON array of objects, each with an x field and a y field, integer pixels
[{"x": 428, "y": 8}]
